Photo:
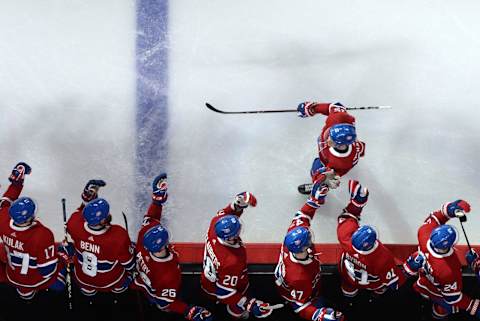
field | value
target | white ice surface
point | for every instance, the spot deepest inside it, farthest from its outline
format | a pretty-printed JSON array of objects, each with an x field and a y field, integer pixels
[
  {"x": 67, "y": 98},
  {"x": 67, "y": 95},
  {"x": 419, "y": 56}
]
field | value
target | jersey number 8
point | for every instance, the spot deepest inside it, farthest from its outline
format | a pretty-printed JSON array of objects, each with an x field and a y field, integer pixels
[{"x": 89, "y": 264}]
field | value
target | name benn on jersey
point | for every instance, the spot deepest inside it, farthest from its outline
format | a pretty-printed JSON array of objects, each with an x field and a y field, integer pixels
[
  {"x": 93, "y": 248},
  {"x": 16, "y": 244}
]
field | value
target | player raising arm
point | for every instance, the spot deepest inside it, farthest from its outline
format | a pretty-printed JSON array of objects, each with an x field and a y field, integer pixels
[
  {"x": 33, "y": 261},
  {"x": 338, "y": 147},
  {"x": 225, "y": 274},
  {"x": 365, "y": 262},
  {"x": 158, "y": 270},
  {"x": 298, "y": 270},
  {"x": 103, "y": 255},
  {"x": 440, "y": 278}
]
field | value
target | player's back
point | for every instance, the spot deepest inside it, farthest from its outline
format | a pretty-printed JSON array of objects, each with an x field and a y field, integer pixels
[
  {"x": 372, "y": 269},
  {"x": 340, "y": 161},
  {"x": 28, "y": 249},
  {"x": 156, "y": 274},
  {"x": 224, "y": 263},
  {"x": 98, "y": 254},
  {"x": 440, "y": 270},
  {"x": 298, "y": 280}
]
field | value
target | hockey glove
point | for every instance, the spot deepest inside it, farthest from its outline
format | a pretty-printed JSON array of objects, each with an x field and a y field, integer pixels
[
  {"x": 358, "y": 194},
  {"x": 327, "y": 314},
  {"x": 65, "y": 252},
  {"x": 245, "y": 199},
  {"x": 414, "y": 263},
  {"x": 473, "y": 261},
  {"x": 317, "y": 195},
  {"x": 259, "y": 308},
  {"x": 332, "y": 180},
  {"x": 90, "y": 191},
  {"x": 18, "y": 173},
  {"x": 196, "y": 313},
  {"x": 306, "y": 109},
  {"x": 159, "y": 189},
  {"x": 457, "y": 208}
]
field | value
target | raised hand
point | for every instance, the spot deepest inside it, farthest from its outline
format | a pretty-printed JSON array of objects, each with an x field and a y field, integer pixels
[
  {"x": 244, "y": 200},
  {"x": 90, "y": 191},
  {"x": 159, "y": 189},
  {"x": 306, "y": 109},
  {"x": 358, "y": 194},
  {"x": 456, "y": 208},
  {"x": 18, "y": 173}
]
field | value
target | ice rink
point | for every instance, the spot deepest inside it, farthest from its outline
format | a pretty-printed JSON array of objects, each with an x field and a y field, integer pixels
[{"x": 104, "y": 89}]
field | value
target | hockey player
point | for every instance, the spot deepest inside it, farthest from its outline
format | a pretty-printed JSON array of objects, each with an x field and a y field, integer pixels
[
  {"x": 158, "y": 270},
  {"x": 33, "y": 261},
  {"x": 440, "y": 278},
  {"x": 338, "y": 147},
  {"x": 298, "y": 270},
  {"x": 225, "y": 274},
  {"x": 365, "y": 262},
  {"x": 103, "y": 255}
]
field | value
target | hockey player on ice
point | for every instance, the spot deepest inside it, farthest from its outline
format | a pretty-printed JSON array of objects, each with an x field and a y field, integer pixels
[
  {"x": 366, "y": 263},
  {"x": 103, "y": 254},
  {"x": 158, "y": 271},
  {"x": 298, "y": 270},
  {"x": 33, "y": 261},
  {"x": 440, "y": 278},
  {"x": 225, "y": 275},
  {"x": 338, "y": 148}
]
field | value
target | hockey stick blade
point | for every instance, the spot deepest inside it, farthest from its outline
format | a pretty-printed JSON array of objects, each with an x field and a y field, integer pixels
[
  {"x": 274, "y": 307},
  {"x": 209, "y": 106},
  {"x": 125, "y": 220}
]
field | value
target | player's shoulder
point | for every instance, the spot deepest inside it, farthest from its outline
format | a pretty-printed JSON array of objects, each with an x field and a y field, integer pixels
[
  {"x": 118, "y": 231},
  {"x": 4, "y": 221},
  {"x": 76, "y": 218},
  {"x": 41, "y": 232},
  {"x": 446, "y": 268}
]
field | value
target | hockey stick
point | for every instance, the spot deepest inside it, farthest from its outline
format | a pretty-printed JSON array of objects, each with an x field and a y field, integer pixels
[
  {"x": 209, "y": 106},
  {"x": 68, "y": 279},
  {"x": 125, "y": 221},
  {"x": 462, "y": 219},
  {"x": 137, "y": 294}
]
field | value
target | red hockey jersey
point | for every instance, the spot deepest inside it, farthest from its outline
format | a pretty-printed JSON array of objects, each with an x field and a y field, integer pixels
[
  {"x": 341, "y": 162},
  {"x": 225, "y": 273},
  {"x": 30, "y": 250},
  {"x": 298, "y": 281},
  {"x": 373, "y": 270},
  {"x": 159, "y": 279},
  {"x": 441, "y": 276},
  {"x": 103, "y": 257}
]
